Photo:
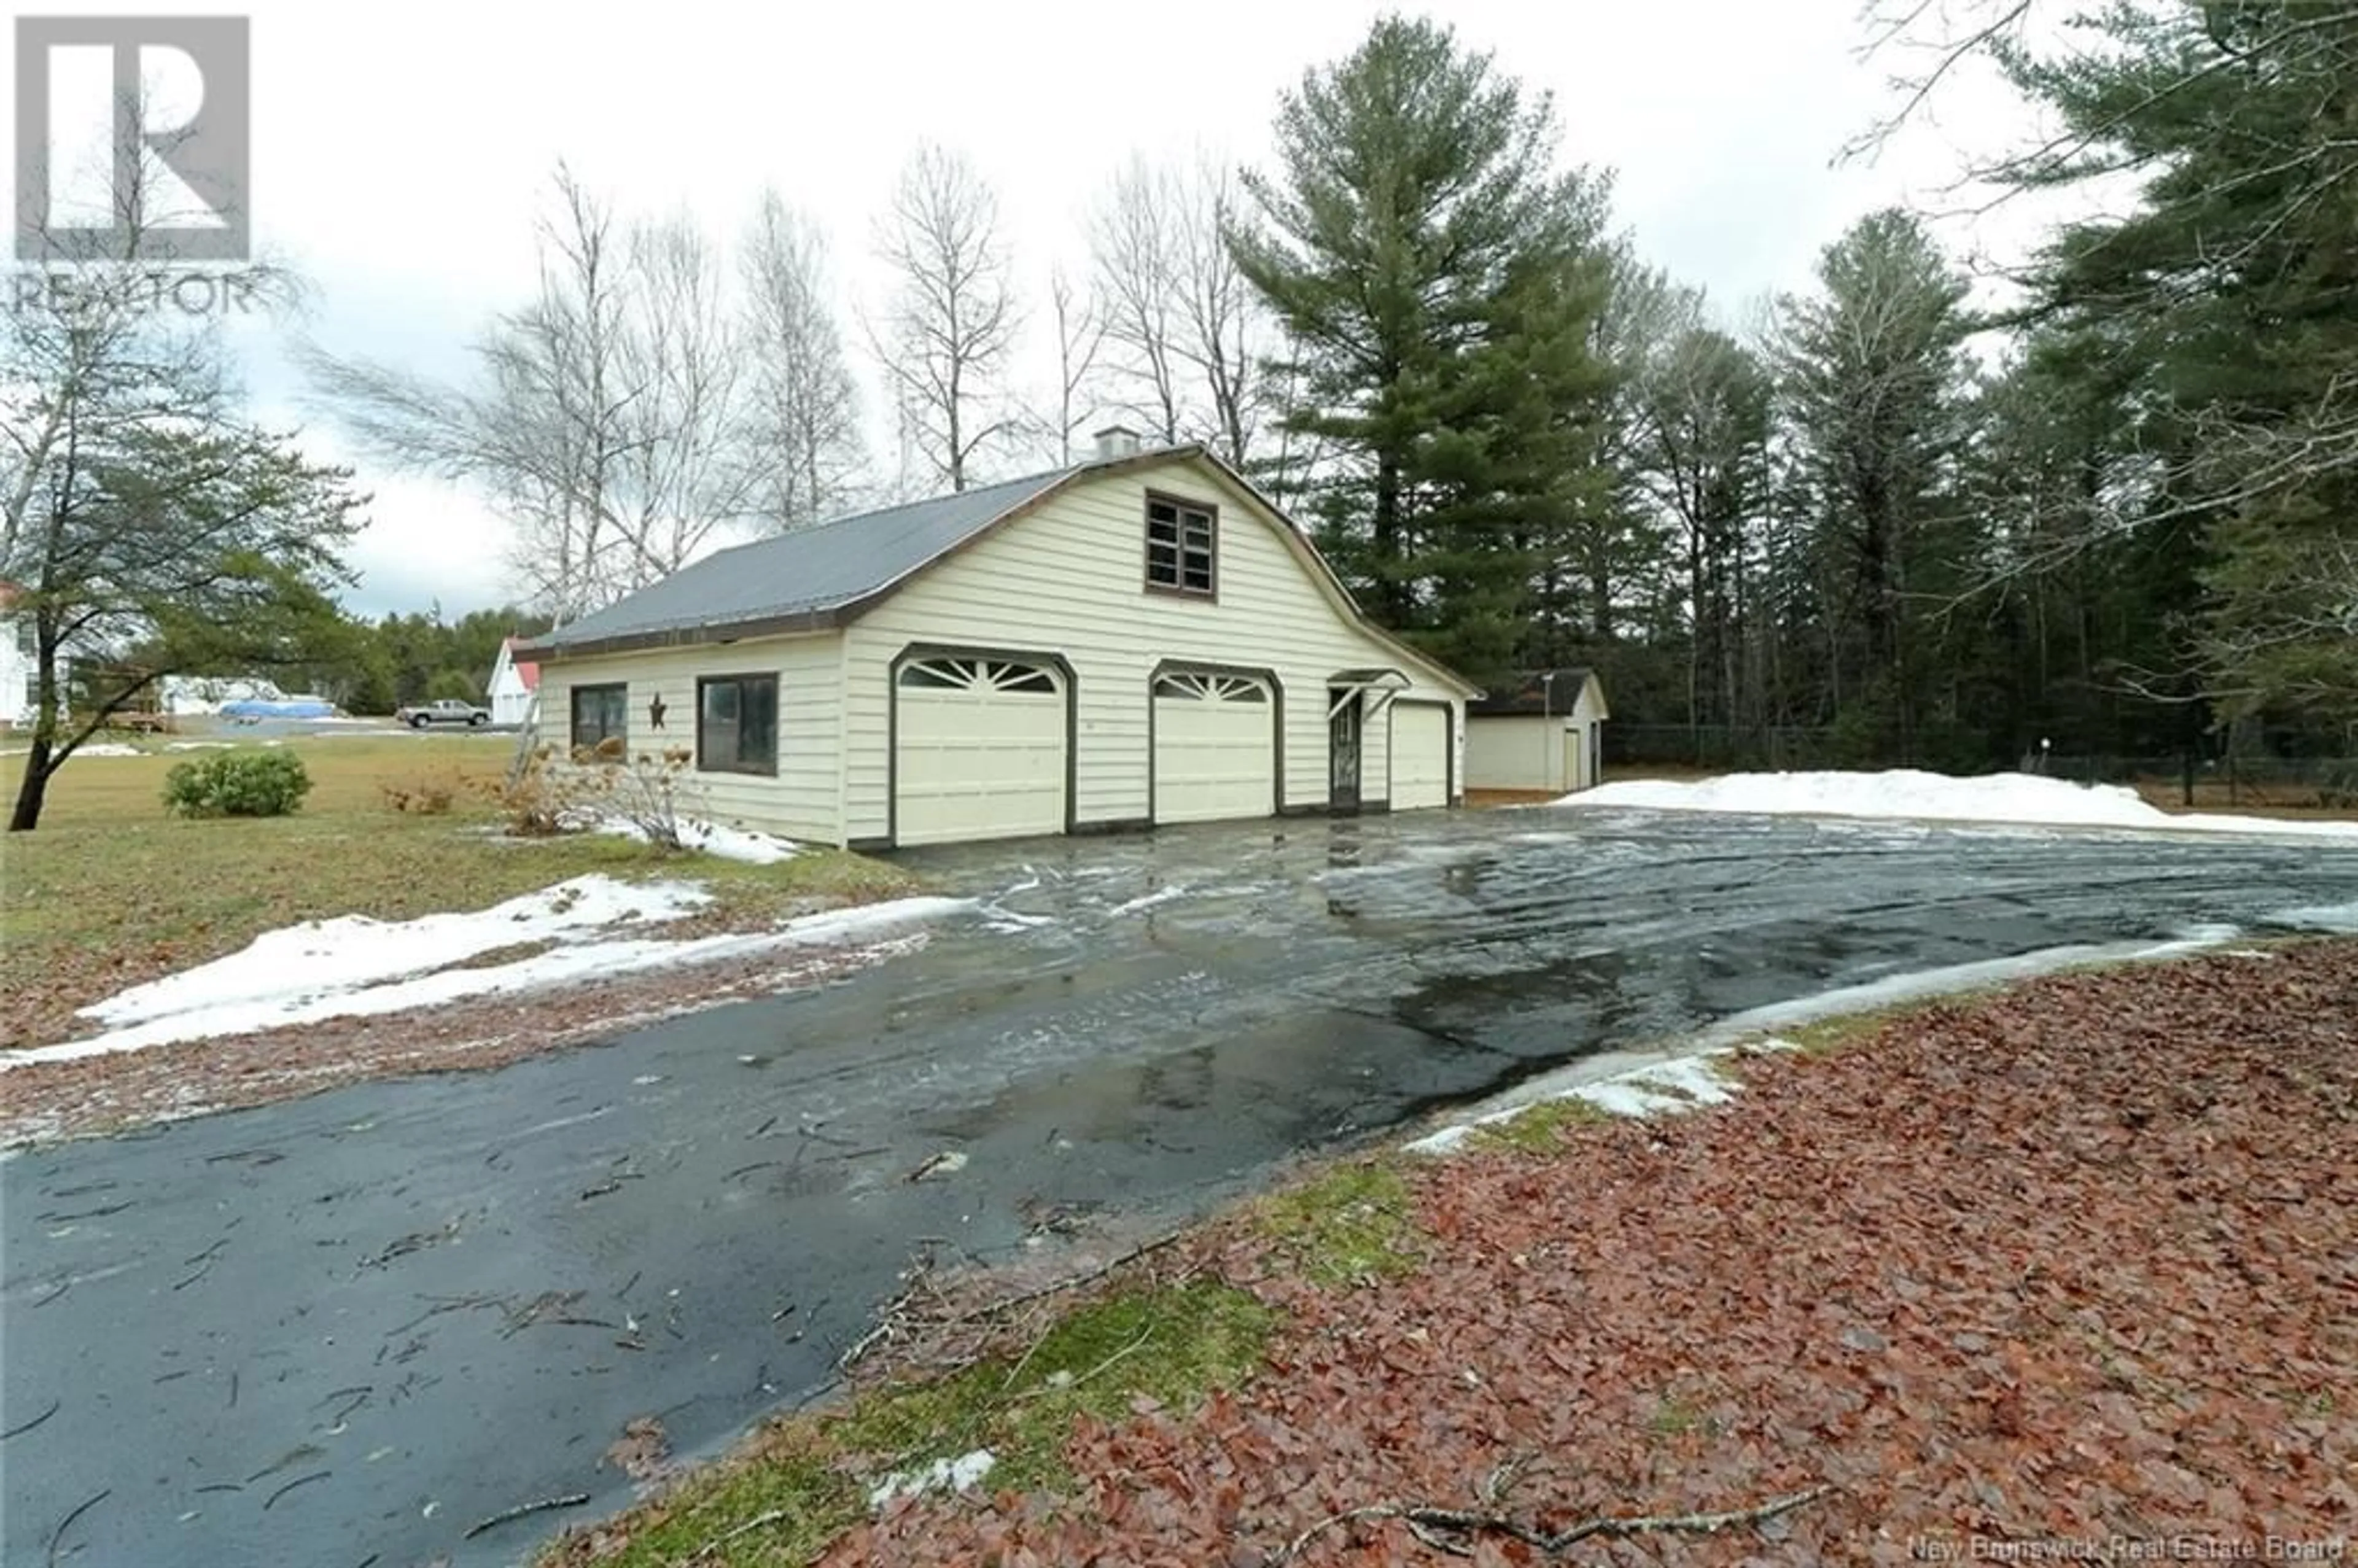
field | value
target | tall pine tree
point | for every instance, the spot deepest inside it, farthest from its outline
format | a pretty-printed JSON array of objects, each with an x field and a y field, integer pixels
[
  {"x": 2223, "y": 308},
  {"x": 1438, "y": 280}
]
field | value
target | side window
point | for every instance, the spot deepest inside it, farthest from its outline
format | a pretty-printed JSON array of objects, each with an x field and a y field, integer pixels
[
  {"x": 737, "y": 724},
  {"x": 598, "y": 712}
]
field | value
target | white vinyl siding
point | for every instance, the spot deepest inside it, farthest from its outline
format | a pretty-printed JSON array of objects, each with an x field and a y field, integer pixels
[
  {"x": 802, "y": 800},
  {"x": 1535, "y": 752},
  {"x": 1506, "y": 752},
  {"x": 1067, "y": 580}
]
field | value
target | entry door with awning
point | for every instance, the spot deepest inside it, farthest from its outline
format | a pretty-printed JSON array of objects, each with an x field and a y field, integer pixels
[{"x": 1355, "y": 700}]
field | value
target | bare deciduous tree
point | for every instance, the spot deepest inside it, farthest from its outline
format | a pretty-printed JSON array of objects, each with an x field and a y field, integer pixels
[
  {"x": 688, "y": 473},
  {"x": 1216, "y": 310},
  {"x": 1134, "y": 247},
  {"x": 802, "y": 407},
  {"x": 606, "y": 426},
  {"x": 1080, "y": 336},
  {"x": 1185, "y": 325},
  {"x": 951, "y": 326}
]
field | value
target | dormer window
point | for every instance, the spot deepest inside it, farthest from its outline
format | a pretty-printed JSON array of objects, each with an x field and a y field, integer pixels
[{"x": 1182, "y": 547}]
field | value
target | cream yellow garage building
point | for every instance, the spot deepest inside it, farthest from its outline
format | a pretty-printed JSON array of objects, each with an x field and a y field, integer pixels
[{"x": 1138, "y": 640}]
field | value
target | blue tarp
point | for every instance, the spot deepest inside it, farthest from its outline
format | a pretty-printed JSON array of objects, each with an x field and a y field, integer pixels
[{"x": 291, "y": 707}]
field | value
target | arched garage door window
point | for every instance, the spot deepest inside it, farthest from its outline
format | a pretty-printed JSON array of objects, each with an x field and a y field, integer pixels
[
  {"x": 978, "y": 676},
  {"x": 1211, "y": 689}
]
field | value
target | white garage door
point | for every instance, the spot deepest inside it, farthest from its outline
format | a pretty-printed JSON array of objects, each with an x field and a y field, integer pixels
[
  {"x": 1420, "y": 756},
  {"x": 1215, "y": 748},
  {"x": 979, "y": 751}
]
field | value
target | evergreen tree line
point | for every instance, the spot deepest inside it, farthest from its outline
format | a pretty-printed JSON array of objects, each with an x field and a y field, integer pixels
[
  {"x": 2114, "y": 511},
  {"x": 373, "y": 667}
]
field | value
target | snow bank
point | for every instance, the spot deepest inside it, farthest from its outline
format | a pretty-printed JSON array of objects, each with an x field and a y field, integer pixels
[
  {"x": 1680, "y": 1083},
  {"x": 353, "y": 950},
  {"x": 1911, "y": 793},
  {"x": 713, "y": 838},
  {"x": 319, "y": 970},
  {"x": 2340, "y": 919}
]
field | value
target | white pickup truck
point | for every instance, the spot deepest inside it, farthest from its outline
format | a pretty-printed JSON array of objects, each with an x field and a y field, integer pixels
[{"x": 442, "y": 710}]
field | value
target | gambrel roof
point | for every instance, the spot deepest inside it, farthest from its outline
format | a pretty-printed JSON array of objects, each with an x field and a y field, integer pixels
[{"x": 829, "y": 575}]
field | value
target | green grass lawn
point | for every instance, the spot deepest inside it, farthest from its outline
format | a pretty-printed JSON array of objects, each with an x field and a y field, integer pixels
[{"x": 111, "y": 889}]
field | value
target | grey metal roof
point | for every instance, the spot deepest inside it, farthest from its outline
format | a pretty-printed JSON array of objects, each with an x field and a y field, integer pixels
[
  {"x": 831, "y": 573},
  {"x": 805, "y": 578}
]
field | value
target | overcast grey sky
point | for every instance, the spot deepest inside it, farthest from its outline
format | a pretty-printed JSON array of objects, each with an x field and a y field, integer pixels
[{"x": 400, "y": 150}]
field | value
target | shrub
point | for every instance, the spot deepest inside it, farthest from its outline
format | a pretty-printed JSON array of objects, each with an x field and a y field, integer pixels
[
  {"x": 245, "y": 783},
  {"x": 551, "y": 792},
  {"x": 654, "y": 795},
  {"x": 538, "y": 795}
]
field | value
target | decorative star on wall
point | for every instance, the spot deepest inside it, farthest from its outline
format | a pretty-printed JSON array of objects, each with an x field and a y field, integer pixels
[{"x": 655, "y": 712}]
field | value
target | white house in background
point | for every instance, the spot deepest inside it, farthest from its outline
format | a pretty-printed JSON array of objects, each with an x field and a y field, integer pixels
[
  {"x": 1546, "y": 733},
  {"x": 19, "y": 663},
  {"x": 515, "y": 683},
  {"x": 1136, "y": 639}
]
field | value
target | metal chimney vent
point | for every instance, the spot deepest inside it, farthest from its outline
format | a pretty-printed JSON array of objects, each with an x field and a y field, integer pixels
[{"x": 1117, "y": 441}]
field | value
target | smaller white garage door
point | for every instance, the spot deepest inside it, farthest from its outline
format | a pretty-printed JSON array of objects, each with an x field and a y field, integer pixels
[
  {"x": 1215, "y": 748},
  {"x": 1420, "y": 756},
  {"x": 979, "y": 751}
]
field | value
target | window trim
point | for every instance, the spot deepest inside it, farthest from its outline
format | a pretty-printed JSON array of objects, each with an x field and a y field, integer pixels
[
  {"x": 777, "y": 721},
  {"x": 573, "y": 713},
  {"x": 1183, "y": 504}
]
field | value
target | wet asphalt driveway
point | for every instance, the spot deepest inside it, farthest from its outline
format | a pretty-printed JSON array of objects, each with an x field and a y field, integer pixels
[{"x": 350, "y": 1329}]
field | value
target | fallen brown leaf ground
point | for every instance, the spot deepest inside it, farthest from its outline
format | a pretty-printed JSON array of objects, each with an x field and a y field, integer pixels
[{"x": 2075, "y": 1266}]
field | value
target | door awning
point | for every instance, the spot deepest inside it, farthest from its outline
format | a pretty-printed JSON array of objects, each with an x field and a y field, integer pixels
[{"x": 1382, "y": 684}]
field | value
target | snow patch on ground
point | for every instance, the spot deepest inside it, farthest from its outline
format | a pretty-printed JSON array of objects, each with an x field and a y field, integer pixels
[
  {"x": 354, "y": 951},
  {"x": 1912, "y": 794},
  {"x": 868, "y": 919},
  {"x": 943, "y": 1475},
  {"x": 2340, "y": 919},
  {"x": 108, "y": 748},
  {"x": 1922, "y": 985},
  {"x": 1657, "y": 1088},
  {"x": 355, "y": 966},
  {"x": 1148, "y": 900},
  {"x": 998, "y": 918},
  {"x": 716, "y": 838},
  {"x": 1681, "y": 1076}
]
